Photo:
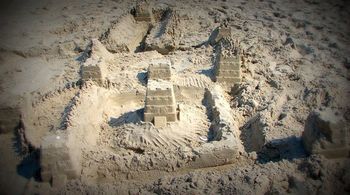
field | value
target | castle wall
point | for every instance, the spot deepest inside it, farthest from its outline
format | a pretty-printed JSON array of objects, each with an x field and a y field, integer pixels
[
  {"x": 222, "y": 124},
  {"x": 126, "y": 35}
]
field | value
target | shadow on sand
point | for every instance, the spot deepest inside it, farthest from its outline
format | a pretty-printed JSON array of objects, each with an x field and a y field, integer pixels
[
  {"x": 29, "y": 166},
  {"x": 287, "y": 148},
  {"x": 134, "y": 117}
]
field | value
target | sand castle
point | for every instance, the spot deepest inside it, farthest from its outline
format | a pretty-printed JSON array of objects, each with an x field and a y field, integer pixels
[
  {"x": 58, "y": 161},
  {"x": 221, "y": 32},
  {"x": 116, "y": 119},
  {"x": 93, "y": 70},
  {"x": 9, "y": 117},
  {"x": 142, "y": 11},
  {"x": 160, "y": 105},
  {"x": 326, "y": 134},
  {"x": 228, "y": 61},
  {"x": 159, "y": 71}
]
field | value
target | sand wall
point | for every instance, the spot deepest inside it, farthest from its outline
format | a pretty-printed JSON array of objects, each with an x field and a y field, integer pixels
[{"x": 125, "y": 35}]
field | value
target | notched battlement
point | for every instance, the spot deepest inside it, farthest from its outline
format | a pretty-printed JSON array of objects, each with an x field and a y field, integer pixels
[{"x": 229, "y": 47}]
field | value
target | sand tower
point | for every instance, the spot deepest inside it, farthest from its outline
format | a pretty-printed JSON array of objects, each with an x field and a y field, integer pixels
[
  {"x": 326, "y": 133},
  {"x": 58, "y": 161},
  {"x": 228, "y": 62},
  {"x": 159, "y": 71},
  {"x": 142, "y": 11},
  {"x": 223, "y": 31},
  {"x": 93, "y": 69},
  {"x": 160, "y": 105}
]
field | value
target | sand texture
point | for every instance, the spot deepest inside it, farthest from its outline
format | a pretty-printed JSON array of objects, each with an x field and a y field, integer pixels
[{"x": 175, "y": 97}]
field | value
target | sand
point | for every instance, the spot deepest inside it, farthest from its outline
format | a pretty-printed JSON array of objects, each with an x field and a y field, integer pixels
[{"x": 242, "y": 139}]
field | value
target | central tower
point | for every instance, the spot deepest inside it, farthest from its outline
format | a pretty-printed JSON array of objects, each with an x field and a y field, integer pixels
[{"x": 160, "y": 104}]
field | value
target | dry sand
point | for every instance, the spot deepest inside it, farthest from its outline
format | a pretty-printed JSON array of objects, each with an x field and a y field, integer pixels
[{"x": 296, "y": 60}]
